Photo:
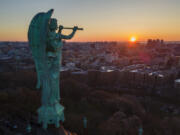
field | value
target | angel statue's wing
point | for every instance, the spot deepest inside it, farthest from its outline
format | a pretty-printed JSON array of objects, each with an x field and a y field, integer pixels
[{"x": 37, "y": 36}]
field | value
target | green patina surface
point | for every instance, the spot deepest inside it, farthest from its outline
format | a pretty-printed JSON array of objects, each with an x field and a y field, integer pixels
[{"x": 46, "y": 46}]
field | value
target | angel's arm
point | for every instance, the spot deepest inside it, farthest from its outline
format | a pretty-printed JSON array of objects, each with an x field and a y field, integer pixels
[{"x": 67, "y": 36}]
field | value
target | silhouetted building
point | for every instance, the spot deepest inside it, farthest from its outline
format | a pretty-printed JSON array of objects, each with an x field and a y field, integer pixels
[{"x": 151, "y": 43}]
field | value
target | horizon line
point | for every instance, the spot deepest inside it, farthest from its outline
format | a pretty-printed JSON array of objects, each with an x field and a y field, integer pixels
[{"x": 92, "y": 41}]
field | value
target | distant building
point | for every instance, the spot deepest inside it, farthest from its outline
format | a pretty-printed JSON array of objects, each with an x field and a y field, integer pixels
[
  {"x": 151, "y": 43},
  {"x": 176, "y": 51}
]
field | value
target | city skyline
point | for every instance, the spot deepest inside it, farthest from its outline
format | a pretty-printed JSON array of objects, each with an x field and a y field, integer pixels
[{"x": 102, "y": 20}]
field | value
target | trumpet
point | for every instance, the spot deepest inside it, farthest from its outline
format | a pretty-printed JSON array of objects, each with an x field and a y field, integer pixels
[{"x": 71, "y": 28}]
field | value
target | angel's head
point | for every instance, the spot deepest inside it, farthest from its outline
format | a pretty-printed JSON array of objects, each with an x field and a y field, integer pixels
[{"x": 53, "y": 24}]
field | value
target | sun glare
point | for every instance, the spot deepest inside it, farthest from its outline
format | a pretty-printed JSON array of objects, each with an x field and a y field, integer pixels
[{"x": 133, "y": 39}]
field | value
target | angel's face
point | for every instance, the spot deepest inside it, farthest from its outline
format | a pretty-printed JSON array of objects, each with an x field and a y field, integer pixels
[{"x": 53, "y": 24}]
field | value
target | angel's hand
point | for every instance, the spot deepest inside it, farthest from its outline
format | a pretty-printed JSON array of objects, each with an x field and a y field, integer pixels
[
  {"x": 61, "y": 27},
  {"x": 75, "y": 28}
]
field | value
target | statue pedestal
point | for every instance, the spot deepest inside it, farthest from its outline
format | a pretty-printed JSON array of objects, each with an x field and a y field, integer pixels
[{"x": 51, "y": 115}]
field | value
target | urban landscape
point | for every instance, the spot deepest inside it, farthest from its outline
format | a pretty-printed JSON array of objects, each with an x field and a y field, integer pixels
[
  {"x": 138, "y": 83},
  {"x": 90, "y": 67}
]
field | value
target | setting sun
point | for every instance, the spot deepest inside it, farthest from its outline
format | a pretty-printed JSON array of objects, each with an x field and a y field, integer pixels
[{"x": 133, "y": 39}]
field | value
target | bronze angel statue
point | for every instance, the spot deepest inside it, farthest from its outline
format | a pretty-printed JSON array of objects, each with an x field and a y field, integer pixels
[{"x": 46, "y": 46}]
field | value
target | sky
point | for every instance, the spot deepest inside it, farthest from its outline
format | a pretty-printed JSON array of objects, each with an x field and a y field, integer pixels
[{"x": 102, "y": 20}]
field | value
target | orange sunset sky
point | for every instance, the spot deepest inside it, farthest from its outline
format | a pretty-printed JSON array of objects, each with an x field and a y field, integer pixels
[{"x": 102, "y": 20}]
